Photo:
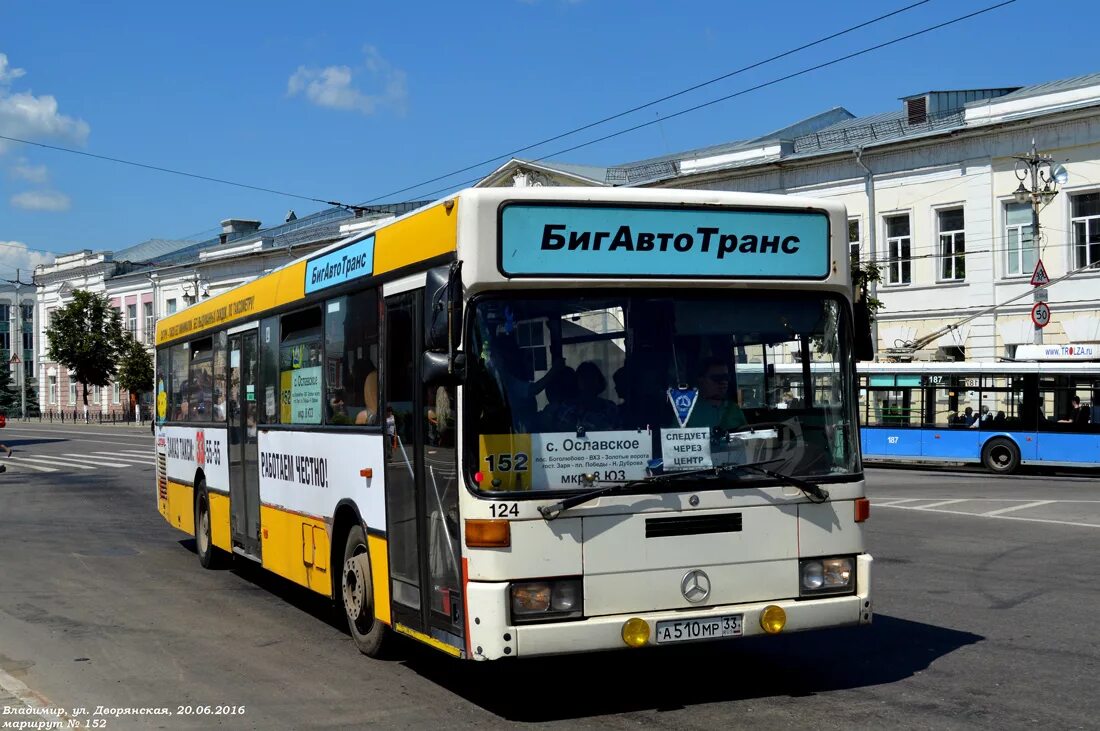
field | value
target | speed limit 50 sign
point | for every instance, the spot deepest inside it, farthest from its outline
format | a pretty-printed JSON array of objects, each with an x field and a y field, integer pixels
[{"x": 1040, "y": 314}]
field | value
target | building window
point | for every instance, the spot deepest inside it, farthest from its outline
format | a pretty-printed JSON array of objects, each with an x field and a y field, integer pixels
[
  {"x": 170, "y": 306},
  {"x": 150, "y": 323},
  {"x": 854, "y": 239},
  {"x": 5, "y": 342},
  {"x": 116, "y": 395},
  {"x": 131, "y": 319},
  {"x": 898, "y": 242},
  {"x": 1019, "y": 243},
  {"x": 53, "y": 389},
  {"x": 952, "y": 244},
  {"x": 5, "y": 313},
  {"x": 28, "y": 341},
  {"x": 72, "y": 391},
  {"x": 1086, "y": 230},
  {"x": 27, "y": 313}
]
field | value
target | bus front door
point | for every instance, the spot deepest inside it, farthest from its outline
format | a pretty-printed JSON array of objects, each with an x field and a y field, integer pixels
[
  {"x": 244, "y": 478},
  {"x": 421, "y": 485}
]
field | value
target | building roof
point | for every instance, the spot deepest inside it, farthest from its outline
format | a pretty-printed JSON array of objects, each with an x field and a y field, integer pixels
[{"x": 836, "y": 130}]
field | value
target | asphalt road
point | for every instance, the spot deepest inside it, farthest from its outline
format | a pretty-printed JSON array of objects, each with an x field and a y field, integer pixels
[{"x": 986, "y": 592}]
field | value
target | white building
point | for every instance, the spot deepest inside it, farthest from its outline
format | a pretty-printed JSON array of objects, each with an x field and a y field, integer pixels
[
  {"x": 17, "y": 329},
  {"x": 158, "y": 277},
  {"x": 929, "y": 188}
]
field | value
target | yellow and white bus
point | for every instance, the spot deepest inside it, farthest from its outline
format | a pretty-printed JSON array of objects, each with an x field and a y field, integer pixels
[{"x": 523, "y": 422}]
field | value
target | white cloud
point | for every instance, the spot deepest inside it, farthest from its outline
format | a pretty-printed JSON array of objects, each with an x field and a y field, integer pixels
[
  {"x": 7, "y": 74},
  {"x": 15, "y": 255},
  {"x": 26, "y": 116},
  {"x": 41, "y": 200},
  {"x": 333, "y": 86},
  {"x": 31, "y": 173}
]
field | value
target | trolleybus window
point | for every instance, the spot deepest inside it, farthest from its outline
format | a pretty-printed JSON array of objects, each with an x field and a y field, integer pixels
[{"x": 613, "y": 387}]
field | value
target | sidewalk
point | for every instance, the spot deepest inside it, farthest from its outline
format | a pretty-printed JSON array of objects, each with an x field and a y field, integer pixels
[{"x": 137, "y": 426}]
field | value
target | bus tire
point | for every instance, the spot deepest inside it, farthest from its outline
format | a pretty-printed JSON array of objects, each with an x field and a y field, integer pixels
[
  {"x": 1001, "y": 455},
  {"x": 210, "y": 556},
  {"x": 357, "y": 595}
]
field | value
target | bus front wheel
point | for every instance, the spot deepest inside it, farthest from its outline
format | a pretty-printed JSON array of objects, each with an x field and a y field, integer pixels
[
  {"x": 357, "y": 592},
  {"x": 1001, "y": 455}
]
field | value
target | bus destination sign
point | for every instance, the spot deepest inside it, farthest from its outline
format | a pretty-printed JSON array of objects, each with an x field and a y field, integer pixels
[{"x": 589, "y": 240}]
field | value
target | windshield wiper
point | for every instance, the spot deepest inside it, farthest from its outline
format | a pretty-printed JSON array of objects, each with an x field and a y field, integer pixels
[
  {"x": 549, "y": 512},
  {"x": 814, "y": 492}
]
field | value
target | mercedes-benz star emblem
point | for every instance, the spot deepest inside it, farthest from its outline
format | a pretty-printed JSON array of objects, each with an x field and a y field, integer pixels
[{"x": 695, "y": 586}]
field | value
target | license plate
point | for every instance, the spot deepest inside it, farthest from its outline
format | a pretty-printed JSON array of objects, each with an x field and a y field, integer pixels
[{"x": 704, "y": 628}]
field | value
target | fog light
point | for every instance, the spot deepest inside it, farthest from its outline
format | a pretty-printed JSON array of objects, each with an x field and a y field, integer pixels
[
  {"x": 773, "y": 619},
  {"x": 635, "y": 632}
]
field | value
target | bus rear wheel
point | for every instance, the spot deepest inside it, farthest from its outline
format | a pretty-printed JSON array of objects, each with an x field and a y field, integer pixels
[
  {"x": 210, "y": 556},
  {"x": 357, "y": 593},
  {"x": 1001, "y": 455}
]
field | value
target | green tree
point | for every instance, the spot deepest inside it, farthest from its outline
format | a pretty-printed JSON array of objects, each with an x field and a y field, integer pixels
[
  {"x": 32, "y": 397},
  {"x": 135, "y": 367},
  {"x": 86, "y": 337},
  {"x": 9, "y": 392},
  {"x": 864, "y": 274}
]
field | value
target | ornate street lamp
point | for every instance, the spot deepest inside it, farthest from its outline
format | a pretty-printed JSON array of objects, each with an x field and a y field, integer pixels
[{"x": 1039, "y": 177}]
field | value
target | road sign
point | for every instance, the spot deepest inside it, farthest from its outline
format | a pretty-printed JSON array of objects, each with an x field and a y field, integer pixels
[
  {"x": 1040, "y": 294},
  {"x": 14, "y": 360},
  {"x": 1039, "y": 277},
  {"x": 1040, "y": 314}
]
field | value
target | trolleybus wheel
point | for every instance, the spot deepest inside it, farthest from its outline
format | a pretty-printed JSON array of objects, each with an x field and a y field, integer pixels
[
  {"x": 210, "y": 556},
  {"x": 1001, "y": 455},
  {"x": 357, "y": 592}
]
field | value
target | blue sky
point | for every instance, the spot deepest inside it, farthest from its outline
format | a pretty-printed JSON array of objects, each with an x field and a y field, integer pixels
[{"x": 351, "y": 100}]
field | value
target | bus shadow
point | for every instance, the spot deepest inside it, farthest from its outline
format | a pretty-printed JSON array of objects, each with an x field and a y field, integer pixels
[
  {"x": 667, "y": 679},
  {"x": 302, "y": 599},
  {"x": 15, "y": 444}
]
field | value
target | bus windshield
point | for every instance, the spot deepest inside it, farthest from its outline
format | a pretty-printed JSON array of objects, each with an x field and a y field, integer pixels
[{"x": 568, "y": 391}]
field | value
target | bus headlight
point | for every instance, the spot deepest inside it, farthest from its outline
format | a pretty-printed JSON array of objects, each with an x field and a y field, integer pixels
[
  {"x": 825, "y": 576},
  {"x": 535, "y": 601}
]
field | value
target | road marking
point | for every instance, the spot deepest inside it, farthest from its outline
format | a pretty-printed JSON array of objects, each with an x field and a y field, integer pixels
[
  {"x": 99, "y": 461},
  {"x": 1005, "y": 517},
  {"x": 1013, "y": 508},
  {"x": 895, "y": 501},
  {"x": 145, "y": 459},
  {"x": 28, "y": 697},
  {"x": 942, "y": 502},
  {"x": 18, "y": 462},
  {"x": 142, "y": 452},
  {"x": 56, "y": 461}
]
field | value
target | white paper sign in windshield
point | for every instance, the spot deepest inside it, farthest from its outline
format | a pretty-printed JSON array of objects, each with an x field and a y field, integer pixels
[
  {"x": 686, "y": 449},
  {"x": 560, "y": 460},
  {"x": 601, "y": 240}
]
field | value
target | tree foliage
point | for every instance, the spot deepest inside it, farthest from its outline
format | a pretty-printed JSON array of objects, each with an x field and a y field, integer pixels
[
  {"x": 135, "y": 367},
  {"x": 9, "y": 391},
  {"x": 32, "y": 397},
  {"x": 86, "y": 337},
  {"x": 865, "y": 274}
]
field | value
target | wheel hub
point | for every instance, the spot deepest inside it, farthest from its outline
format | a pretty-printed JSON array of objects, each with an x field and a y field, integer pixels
[{"x": 355, "y": 586}]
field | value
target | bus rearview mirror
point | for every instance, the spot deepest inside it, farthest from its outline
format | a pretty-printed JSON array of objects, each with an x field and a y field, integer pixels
[{"x": 443, "y": 309}]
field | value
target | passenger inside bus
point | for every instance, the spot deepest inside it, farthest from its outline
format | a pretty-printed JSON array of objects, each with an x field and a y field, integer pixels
[{"x": 364, "y": 371}]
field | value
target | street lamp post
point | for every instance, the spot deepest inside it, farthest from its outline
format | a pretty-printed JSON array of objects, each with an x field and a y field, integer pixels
[{"x": 1043, "y": 176}]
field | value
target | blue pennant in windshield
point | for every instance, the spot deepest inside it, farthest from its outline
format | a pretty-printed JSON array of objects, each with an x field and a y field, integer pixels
[{"x": 683, "y": 402}]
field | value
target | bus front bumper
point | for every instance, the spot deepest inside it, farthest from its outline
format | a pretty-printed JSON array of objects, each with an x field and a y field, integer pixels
[{"x": 606, "y": 632}]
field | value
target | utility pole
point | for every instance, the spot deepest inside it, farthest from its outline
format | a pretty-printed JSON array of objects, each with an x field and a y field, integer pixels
[
  {"x": 19, "y": 345},
  {"x": 1043, "y": 176}
]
